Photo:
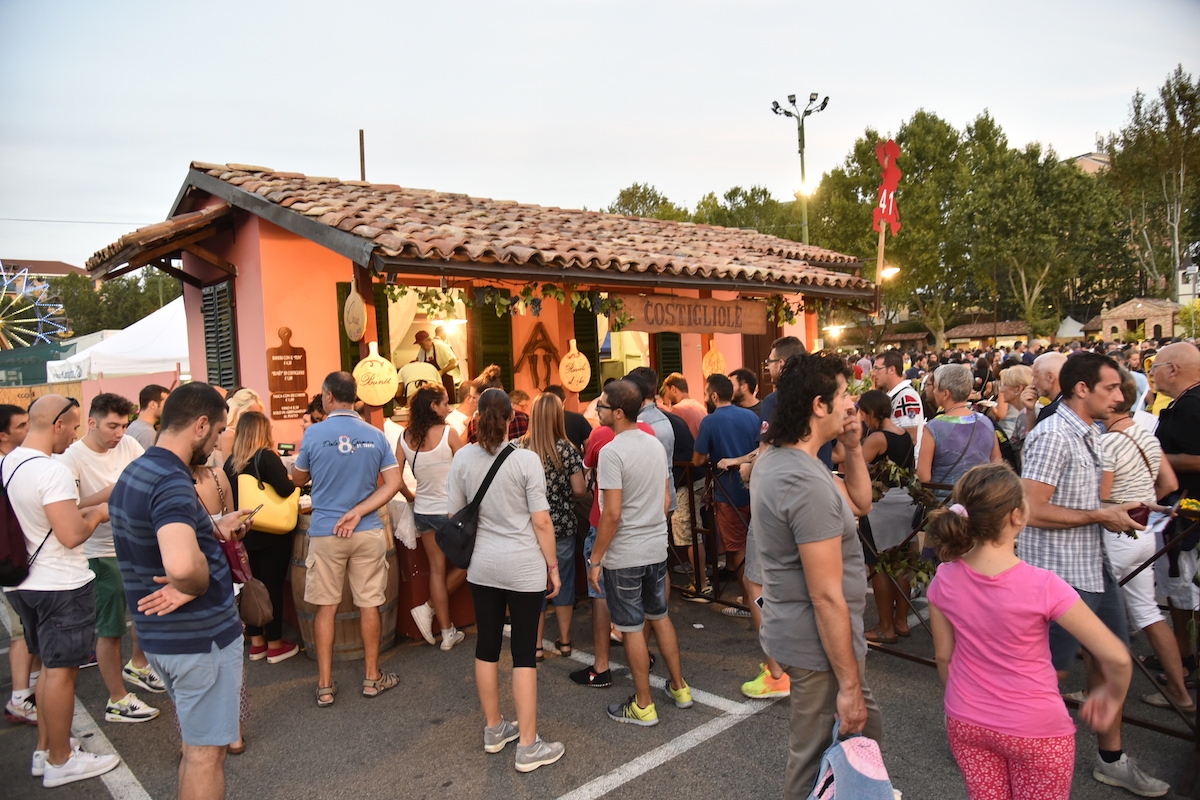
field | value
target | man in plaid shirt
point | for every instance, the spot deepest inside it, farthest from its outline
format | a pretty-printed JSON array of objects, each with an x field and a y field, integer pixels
[{"x": 1062, "y": 467}]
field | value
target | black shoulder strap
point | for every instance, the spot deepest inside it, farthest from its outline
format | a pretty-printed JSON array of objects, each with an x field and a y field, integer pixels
[
  {"x": 487, "y": 481},
  {"x": 12, "y": 475}
]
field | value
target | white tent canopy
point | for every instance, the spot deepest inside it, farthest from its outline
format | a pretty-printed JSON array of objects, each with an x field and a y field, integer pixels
[{"x": 156, "y": 343}]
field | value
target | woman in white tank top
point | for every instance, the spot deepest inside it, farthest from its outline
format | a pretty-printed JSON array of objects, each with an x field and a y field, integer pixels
[{"x": 429, "y": 445}]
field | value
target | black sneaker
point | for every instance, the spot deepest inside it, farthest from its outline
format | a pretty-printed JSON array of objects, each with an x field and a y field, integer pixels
[{"x": 589, "y": 677}]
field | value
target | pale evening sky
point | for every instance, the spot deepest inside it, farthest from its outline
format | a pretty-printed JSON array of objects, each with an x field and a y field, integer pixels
[{"x": 104, "y": 105}]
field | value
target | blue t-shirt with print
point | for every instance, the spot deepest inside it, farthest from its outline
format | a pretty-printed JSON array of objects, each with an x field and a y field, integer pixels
[
  {"x": 344, "y": 455},
  {"x": 729, "y": 432}
]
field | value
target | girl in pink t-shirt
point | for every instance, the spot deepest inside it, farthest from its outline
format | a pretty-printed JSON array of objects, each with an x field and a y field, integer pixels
[{"x": 1008, "y": 727}]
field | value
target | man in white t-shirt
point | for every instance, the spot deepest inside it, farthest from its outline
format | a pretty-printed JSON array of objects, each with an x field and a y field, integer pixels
[
  {"x": 57, "y": 600},
  {"x": 888, "y": 375},
  {"x": 634, "y": 480},
  {"x": 95, "y": 462},
  {"x": 468, "y": 404}
]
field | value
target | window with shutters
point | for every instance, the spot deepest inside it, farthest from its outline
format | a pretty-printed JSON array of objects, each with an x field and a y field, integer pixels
[
  {"x": 587, "y": 341},
  {"x": 493, "y": 342},
  {"x": 668, "y": 349},
  {"x": 220, "y": 334}
]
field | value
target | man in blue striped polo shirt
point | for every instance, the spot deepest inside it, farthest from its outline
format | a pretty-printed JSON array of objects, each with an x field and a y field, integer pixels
[{"x": 178, "y": 578}]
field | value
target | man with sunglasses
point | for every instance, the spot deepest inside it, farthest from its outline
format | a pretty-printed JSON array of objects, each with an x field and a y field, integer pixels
[{"x": 57, "y": 601}]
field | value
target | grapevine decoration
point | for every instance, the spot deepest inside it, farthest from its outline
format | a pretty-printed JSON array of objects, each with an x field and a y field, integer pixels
[
  {"x": 899, "y": 561},
  {"x": 438, "y": 302},
  {"x": 27, "y": 315}
]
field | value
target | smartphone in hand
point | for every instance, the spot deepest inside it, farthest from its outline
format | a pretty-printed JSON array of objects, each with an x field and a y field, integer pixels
[{"x": 249, "y": 517}]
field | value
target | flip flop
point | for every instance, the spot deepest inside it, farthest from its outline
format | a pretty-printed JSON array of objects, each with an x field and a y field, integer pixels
[
  {"x": 875, "y": 636},
  {"x": 905, "y": 633}
]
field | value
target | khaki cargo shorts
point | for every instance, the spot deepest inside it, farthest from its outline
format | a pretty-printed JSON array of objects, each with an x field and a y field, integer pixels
[{"x": 332, "y": 559}]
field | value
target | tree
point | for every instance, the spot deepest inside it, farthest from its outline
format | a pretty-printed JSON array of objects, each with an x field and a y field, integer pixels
[
  {"x": 119, "y": 303},
  {"x": 752, "y": 208},
  {"x": 935, "y": 274},
  {"x": 643, "y": 200},
  {"x": 1155, "y": 159}
]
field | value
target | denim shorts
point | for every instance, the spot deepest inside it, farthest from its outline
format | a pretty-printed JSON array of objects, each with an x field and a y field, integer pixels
[
  {"x": 588, "y": 544},
  {"x": 636, "y": 594},
  {"x": 60, "y": 626},
  {"x": 1108, "y": 605},
  {"x": 565, "y": 548},
  {"x": 206, "y": 689},
  {"x": 427, "y": 523}
]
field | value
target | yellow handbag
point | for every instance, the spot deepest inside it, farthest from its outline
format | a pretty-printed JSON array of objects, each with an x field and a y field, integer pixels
[{"x": 278, "y": 514}]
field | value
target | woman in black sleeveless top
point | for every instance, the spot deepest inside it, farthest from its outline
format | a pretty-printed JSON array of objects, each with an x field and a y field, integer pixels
[{"x": 890, "y": 520}]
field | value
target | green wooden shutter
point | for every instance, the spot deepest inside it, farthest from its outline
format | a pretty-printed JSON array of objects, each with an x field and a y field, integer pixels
[
  {"x": 669, "y": 350},
  {"x": 220, "y": 334},
  {"x": 494, "y": 342},
  {"x": 587, "y": 341}
]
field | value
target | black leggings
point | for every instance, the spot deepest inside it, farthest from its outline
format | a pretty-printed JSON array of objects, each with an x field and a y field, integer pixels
[
  {"x": 270, "y": 554},
  {"x": 524, "y": 608}
]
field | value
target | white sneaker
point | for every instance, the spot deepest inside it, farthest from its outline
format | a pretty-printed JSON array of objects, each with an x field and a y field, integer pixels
[
  {"x": 423, "y": 616},
  {"x": 455, "y": 636},
  {"x": 143, "y": 677},
  {"x": 37, "y": 767},
  {"x": 25, "y": 711},
  {"x": 80, "y": 766},
  {"x": 129, "y": 709},
  {"x": 1125, "y": 774}
]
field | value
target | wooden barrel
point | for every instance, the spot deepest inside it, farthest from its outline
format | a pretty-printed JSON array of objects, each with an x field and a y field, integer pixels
[{"x": 347, "y": 633}]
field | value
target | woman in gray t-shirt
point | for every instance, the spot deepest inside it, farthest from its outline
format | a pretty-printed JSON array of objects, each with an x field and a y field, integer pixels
[{"x": 513, "y": 565}]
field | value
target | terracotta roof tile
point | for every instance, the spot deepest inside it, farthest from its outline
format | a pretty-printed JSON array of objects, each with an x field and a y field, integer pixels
[{"x": 978, "y": 329}]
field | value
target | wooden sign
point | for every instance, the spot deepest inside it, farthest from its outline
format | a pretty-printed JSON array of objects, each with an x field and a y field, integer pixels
[
  {"x": 287, "y": 366},
  {"x": 288, "y": 405},
  {"x": 575, "y": 370},
  {"x": 354, "y": 315},
  {"x": 538, "y": 345},
  {"x": 376, "y": 378},
  {"x": 661, "y": 313}
]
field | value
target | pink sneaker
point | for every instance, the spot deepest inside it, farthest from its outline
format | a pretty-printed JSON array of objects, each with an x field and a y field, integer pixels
[
  {"x": 282, "y": 653},
  {"x": 258, "y": 652}
]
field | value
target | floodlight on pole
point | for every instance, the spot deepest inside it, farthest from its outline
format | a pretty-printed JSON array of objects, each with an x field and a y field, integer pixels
[{"x": 800, "y": 115}]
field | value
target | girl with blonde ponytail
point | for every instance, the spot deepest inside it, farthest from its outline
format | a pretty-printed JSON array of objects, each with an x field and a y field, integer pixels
[{"x": 991, "y": 612}]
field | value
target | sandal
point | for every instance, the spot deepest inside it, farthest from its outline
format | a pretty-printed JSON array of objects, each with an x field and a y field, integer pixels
[
  {"x": 236, "y": 751},
  {"x": 540, "y": 655},
  {"x": 875, "y": 636},
  {"x": 323, "y": 691},
  {"x": 563, "y": 648},
  {"x": 385, "y": 681}
]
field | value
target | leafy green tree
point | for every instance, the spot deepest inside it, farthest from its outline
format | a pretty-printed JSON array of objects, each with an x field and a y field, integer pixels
[
  {"x": 643, "y": 200},
  {"x": 752, "y": 208},
  {"x": 1155, "y": 159},
  {"x": 118, "y": 303}
]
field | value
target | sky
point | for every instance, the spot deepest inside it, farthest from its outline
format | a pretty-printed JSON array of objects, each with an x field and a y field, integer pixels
[{"x": 104, "y": 105}]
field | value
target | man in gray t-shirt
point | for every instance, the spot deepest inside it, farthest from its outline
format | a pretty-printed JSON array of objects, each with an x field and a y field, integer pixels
[
  {"x": 814, "y": 588},
  {"x": 634, "y": 480},
  {"x": 150, "y": 401}
]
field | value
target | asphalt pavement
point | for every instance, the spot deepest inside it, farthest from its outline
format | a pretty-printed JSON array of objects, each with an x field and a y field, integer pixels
[{"x": 423, "y": 739}]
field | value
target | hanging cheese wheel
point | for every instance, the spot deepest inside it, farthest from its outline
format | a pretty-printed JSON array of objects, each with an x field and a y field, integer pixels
[
  {"x": 714, "y": 361},
  {"x": 376, "y": 378},
  {"x": 575, "y": 370}
]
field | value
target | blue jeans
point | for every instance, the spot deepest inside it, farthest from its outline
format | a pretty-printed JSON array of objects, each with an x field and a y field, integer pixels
[
  {"x": 1108, "y": 605},
  {"x": 636, "y": 594},
  {"x": 588, "y": 544}
]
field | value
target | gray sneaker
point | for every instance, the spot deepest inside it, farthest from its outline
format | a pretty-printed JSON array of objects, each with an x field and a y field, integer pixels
[
  {"x": 495, "y": 738},
  {"x": 1125, "y": 774},
  {"x": 538, "y": 754}
]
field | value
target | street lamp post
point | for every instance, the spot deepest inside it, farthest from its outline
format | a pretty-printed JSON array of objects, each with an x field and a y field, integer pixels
[{"x": 809, "y": 109}]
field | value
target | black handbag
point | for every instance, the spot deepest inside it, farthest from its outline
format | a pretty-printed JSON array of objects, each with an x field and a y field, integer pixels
[{"x": 456, "y": 535}]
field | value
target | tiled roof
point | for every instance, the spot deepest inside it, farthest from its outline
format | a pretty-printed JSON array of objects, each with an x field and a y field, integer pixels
[
  {"x": 401, "y": 225},
  {"x": 979, "y": 329},
  {"x": 155, "y": 237},
  {"x": 1093, "y": 324}
]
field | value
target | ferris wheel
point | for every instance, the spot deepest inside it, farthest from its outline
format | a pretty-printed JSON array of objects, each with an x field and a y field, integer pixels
[{"x": 27, "y": 315}]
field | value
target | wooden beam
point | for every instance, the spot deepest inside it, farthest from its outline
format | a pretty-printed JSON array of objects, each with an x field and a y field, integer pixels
[
  {"x": 175, "y": 272},
  {"x": 169, "y": 247},
  {"x": 212, "y": 258}
]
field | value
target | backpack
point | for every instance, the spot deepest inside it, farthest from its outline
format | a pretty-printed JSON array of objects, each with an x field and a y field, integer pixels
[
  {"x": 852, "y": 769},
  {"x": 15, "y": 560}
]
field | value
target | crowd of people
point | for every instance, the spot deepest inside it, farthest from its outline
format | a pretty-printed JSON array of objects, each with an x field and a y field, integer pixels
[{"x": 1045, "y": 463}]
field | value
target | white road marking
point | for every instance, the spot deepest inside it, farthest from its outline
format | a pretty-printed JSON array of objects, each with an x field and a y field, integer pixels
[
  {"x": 121, "y": 782},
  {"x": 734, "y": 712}
]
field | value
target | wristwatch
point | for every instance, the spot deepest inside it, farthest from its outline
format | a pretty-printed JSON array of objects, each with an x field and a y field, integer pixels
[{"x": 590, "y": 565}]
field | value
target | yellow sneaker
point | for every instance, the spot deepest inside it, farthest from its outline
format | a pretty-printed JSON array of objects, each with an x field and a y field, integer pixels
[
  {"x": 764, "y": 687},
  {"x": 634, "y": 714},
  {"x": 682, "y": 697}
]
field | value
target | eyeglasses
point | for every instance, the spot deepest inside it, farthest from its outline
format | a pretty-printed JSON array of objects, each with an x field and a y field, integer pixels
[
  {"x": 768, "y": 362},
  {"x": 1158, "y": 364},
  {"x": 602, "y": 407},
  {"x": 876, "y": 369},
  {"x": 71, "y": 403}
]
